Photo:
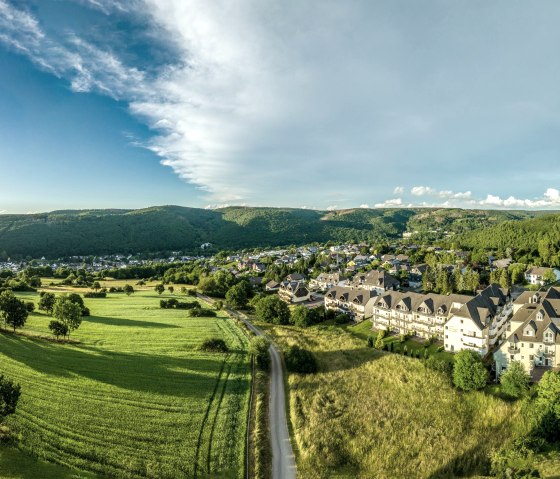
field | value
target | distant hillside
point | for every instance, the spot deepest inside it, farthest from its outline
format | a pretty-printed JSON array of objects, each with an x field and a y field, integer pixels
[
  {"x": 524, "y": 236},
  {"x": 169, "y": 228}
]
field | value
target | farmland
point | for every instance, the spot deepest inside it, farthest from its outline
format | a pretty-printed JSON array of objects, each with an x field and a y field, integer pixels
[
  {"x": 135, "y": 397},
  {"x": 368, "y": 413}
]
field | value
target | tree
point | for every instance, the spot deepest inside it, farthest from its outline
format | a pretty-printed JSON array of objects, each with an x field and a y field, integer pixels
[
  {"x": 58, "y": 328},
  {"x": 237, "y": 296},
  {"x": 304, "y": 317},
  {"x": 549, "y": 276},
  {"x": 469, "y": 372},
  {"x": 46, "y": 302},
  {"x": 96, "y": 286},
  {"x": 515, "y": 381},
  {"x": 547, "y": 407},
  {"x": 379, "y": 343},
  {"x": 68, "y": 313},
  {"x": 128, "y": 289},
  {"x": 159, "y": 288},
  {"x": 258, "y": 348},
  {"x": 13, "y": 310},
  {"x": 171, "y": 289},
  {"x": 30, "y": 305},
  {"x": 183, "y": 290},
  {"x": 271, "y": 309},
  {"x": 9, "y": 397}
]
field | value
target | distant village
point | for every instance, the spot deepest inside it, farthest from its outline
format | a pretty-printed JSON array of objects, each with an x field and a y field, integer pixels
[{"x": 514, "y": 322}]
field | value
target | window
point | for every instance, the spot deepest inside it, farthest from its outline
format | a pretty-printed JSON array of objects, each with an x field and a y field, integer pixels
[
  {"x": 512, "y": 357},
  {"x": 446, "y": 336},
  {"x": 531, "y": 345},
  {"x": 461, "y": 321},
  {"x": 531, "y": 357}
]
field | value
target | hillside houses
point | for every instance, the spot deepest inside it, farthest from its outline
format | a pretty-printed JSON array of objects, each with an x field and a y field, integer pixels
[{"x": 534, "y": 334}]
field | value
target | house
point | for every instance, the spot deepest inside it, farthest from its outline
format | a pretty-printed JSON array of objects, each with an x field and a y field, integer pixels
[
  {"x": 259, "y": 267},
  {"x": 325, "y": 281},
  {"x": 415, "y": 275},
  {"x": 348, "y": 300},
  {"x": 255, "y": 281},
  {"x": 293, "y": 291},
  {"x": 375, "y": 280},
  {"x": 502, "y": 263},
  {"x": 481, "y": 323},
  {"x": 422, "y": 315},
  {"x": 272, "y": 286},
  {"x": 296, "y": 277},
  {"x": 536, "y": 275},
  {"x": 534, "y": 334}
]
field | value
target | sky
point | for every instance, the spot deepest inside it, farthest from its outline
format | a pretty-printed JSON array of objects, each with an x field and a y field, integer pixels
[{"x": 302, "y": 103}]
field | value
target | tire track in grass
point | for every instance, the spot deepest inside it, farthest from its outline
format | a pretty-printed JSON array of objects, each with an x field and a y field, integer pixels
[
  {"x": 215, "y": 420},
  {"x": 205, "y": 419}
]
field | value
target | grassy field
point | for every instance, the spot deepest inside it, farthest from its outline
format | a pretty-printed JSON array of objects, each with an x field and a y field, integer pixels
[
  {"x": 375, "y": 414},
  {"x": 135, "y": 398}
]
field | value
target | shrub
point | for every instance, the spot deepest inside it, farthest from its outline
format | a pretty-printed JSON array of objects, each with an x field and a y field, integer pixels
[
  {"x": 300, "y": 360},
  {"x": 515, "y": 382},
  {"x": 379, "y": 343},
  {"x": 370, "y": 341},
  {"x": 30, "y": 306},
  {"x": 95, "y": 294},
  {"x": 272, "y": 309},
  {"x": 469, "y": 372},
  {"x": 258, "y": 347},
  {"x": 58, "y": 328},
  {"x": 214, "y": 345},
  {"x": 304, "y": 317},
  {"x": 341, "y": 319}
]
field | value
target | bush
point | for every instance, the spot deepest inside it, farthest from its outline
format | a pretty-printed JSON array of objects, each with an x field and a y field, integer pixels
[
  {"x": 341, "y": 319},
  {"x": 300, "y": 360},
  {"x": 304, "y": 317},
  {"x": 30, "y": 306},
  {"x": 469, "y": 372},
  {"x": 214, "y": 345},
  {"x": 271, "y": 309},
  {"x": 370, "y": 341},
  {"x": 515, "y": 382},
  {"x": 58, "y": 328},
  {"x": 95, "y": 294},
  {"x": 258, "y": 348}
]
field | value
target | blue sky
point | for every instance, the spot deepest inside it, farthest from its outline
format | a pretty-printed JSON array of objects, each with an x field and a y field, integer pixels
[{"x": 319, "y": 104}]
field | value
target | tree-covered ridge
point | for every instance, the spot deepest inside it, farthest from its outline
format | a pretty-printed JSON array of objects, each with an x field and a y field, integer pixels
[
  {"x": 532, "y": 240},
  {"x": 175, "y": 228}
]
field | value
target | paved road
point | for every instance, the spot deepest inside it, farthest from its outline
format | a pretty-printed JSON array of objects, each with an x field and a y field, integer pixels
[{"x": 283, "y": 461}]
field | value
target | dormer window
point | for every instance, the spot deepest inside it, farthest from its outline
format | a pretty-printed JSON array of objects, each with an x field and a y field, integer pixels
[
  {"x": 549, "y": 336},
  {"x": 540, "y": 315},
  {"x": 528, "y": 332}
]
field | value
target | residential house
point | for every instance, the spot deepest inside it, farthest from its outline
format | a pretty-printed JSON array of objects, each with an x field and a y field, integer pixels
[
  {"x": 375, "y": 280},
  {"x": 272, "y": 286},
  {"x": 294, "y": 291},
  {"x": 423, "y": 315},
  {"x": 481, "y": 323},
  {"x": 348, "y": 300},
  {"x": 534, "y": 338},
  {"x": 535, "y": 275},
  {"x": 325, "y": 281},
  {"x": 296, "y": 277}
]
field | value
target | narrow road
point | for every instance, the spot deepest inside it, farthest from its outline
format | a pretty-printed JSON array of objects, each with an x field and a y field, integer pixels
[{"x": 283, "y": 459}]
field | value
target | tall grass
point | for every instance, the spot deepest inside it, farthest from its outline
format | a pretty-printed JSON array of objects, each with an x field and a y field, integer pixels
[{"x": 369, "y": 414}]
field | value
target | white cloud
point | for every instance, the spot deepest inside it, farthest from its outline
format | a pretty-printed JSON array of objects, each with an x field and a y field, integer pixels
[
  {"x": 422, "y": 191},
  {"x": 332, "y": 208},
  {"x": 550, "y": 199},
  {"x": 364, "y": 205},
  {"x": 392, "y": 203},
  {"x": 399, "y": 190}
]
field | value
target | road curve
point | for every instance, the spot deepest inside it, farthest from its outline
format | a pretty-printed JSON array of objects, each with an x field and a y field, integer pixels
[{"x": 283, "y": 460}]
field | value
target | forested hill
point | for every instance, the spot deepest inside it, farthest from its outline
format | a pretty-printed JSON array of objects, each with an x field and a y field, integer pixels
[
  {"x": 536, "y": 235},
  {"x": 174, "y": 228}
]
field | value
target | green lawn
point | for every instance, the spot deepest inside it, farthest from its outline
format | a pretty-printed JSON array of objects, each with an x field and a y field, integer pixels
[{"x": 135, "y": 398}]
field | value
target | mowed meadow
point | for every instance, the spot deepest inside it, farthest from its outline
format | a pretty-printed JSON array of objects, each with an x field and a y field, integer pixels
[
  {"x": 371, "y": 414},
  {"x": 135, "y": 397}
]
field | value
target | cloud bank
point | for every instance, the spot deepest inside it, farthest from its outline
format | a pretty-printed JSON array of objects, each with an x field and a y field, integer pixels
[{"x": 289, "y": 102}]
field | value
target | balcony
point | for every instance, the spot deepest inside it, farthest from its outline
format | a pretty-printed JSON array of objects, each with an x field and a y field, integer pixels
[{"x": 513, "y": 350}]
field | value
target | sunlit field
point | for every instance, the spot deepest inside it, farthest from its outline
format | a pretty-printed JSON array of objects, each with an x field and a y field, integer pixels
[
  {"x": 135, "y": 397},
  {"x": 374, "y": 414}
]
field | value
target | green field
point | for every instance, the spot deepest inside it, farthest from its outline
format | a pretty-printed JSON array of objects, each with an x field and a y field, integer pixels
[{"x": 135, "y": 398}]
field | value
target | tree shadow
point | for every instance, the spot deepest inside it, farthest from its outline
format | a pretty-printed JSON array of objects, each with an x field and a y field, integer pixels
[
  {"x": 110, "y": 321},
  {"x": 345, "y": 359},
  {"x": 190, "y": 376}
]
